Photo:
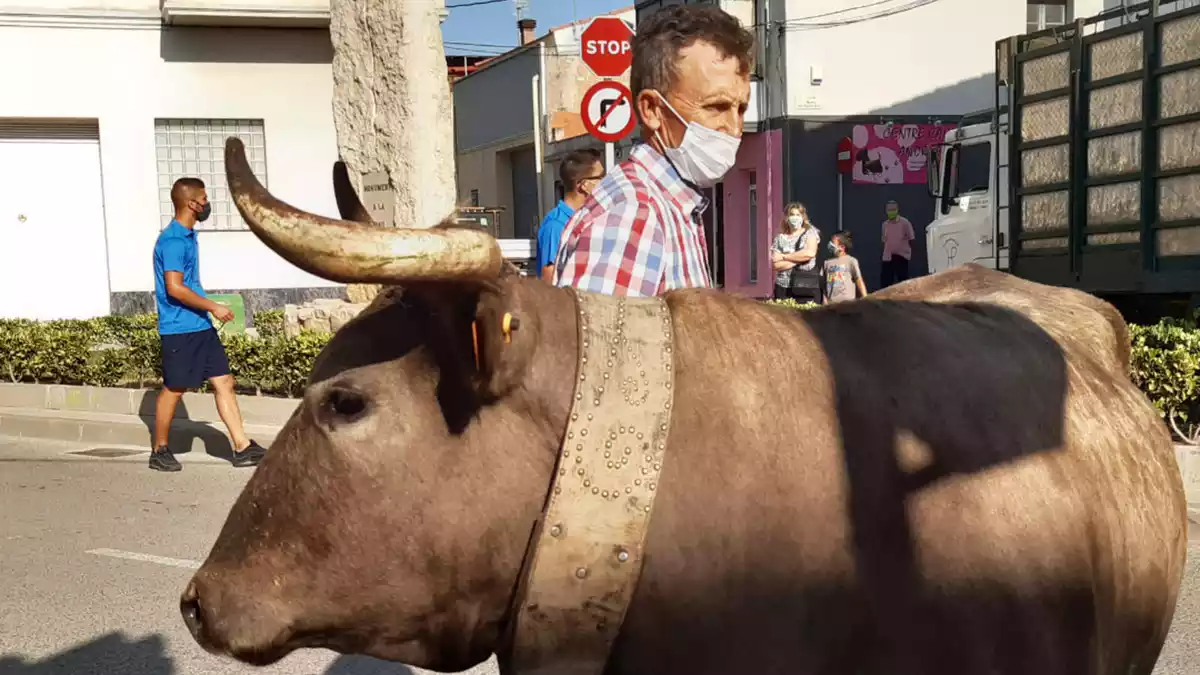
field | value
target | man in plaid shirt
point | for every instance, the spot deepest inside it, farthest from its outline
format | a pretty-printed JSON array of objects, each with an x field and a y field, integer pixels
[{"x": 640, "y": 233}]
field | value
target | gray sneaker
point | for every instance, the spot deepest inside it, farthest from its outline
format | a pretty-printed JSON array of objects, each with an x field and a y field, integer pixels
[
  {"x": 163, "y": 459},
  {"x": 251, "y": 456}
]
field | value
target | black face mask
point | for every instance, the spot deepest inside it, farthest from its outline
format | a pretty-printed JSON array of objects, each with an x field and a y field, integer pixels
[{"x": 205, "y": 212}]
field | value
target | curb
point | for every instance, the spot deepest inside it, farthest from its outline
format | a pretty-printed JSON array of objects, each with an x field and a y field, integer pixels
[
  {"x": 1188, "y": 458},
  {"x": 102, "y": 429},
  {"x": 49, "y": 450},
  {"x": 125, "y": 417},
  {"x": 110, "y": 416},
  {"x": 256, "y": 410}
]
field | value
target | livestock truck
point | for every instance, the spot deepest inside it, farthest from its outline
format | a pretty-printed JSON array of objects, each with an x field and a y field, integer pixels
[{"x": 1086, "y": 171}]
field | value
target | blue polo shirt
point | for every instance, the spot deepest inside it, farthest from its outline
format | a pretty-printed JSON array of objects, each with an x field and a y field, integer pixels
[
  {"x": 550, "y": 234},
  {"x": 178, "y": 251}
]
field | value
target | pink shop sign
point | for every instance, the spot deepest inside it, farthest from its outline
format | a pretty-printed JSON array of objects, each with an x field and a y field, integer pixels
[{"x": 894, "y": 154}]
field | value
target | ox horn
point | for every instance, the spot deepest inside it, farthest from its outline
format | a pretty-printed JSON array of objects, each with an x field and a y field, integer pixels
[
  {"x": 350, "y": 252},
  {"x": 348, "y": 203}
]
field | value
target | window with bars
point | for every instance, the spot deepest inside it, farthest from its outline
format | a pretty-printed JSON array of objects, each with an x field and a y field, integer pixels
[
  {"x": 196, "y": 147},
  {"x": 1040, "y": 16}
]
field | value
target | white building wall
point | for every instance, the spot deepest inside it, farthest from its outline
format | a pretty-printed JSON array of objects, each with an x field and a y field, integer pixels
[
  {"x": 119, "y": 76},
  {"x": 58, "y": 7},
  {"x": 936, "y": 58},
  {"x": 1082, "y": 9}
]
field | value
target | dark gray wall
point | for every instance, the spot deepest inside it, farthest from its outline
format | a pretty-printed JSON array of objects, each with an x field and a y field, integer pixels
[
  {"x": 257, "y": 299},
  {"x": 497, "y": 102},
  {"x": 525, "y": 203},
  {"x": 811, "y": 178}
]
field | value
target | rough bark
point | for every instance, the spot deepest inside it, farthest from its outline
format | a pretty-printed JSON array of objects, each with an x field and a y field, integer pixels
[{"x": 391, "y": 104}]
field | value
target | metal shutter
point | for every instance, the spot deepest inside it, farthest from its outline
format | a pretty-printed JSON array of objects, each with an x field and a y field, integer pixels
[{"x": 36, "y": 128}]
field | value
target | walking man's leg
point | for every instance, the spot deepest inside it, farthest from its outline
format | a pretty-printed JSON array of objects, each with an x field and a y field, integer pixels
[
  {"x": 161, "y": 458},
  {"x": 180, "y": 373},
  {"x": 245, "y": 451},
  {"x": 227, "y": 408}
]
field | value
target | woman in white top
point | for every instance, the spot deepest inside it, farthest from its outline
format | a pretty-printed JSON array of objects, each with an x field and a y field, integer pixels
[{"x": 794, "y": 256}]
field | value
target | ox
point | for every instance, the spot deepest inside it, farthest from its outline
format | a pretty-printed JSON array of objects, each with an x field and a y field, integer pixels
[{"x": 922, "y": 483}]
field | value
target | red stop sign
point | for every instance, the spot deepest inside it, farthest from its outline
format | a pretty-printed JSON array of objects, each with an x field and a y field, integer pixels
[
  {"x": 845, "y": 156},
  {"x": 607, "y": 46}
]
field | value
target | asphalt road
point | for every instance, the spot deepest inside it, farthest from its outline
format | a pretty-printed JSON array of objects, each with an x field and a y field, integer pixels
[{"x": 94, "y": 553}]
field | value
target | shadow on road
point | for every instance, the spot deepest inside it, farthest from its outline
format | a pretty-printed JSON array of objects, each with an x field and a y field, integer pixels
[
  {"x": 364, "y": 665},
  {"x": 185, "y": 430},
  {"x": 112, "y": 653},
  {"x": 116, "y": 653}
]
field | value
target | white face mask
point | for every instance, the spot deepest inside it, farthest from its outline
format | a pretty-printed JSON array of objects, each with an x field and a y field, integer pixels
[
  {"x": 705, "y": 155},
  {"x": 795, "y": 221}
]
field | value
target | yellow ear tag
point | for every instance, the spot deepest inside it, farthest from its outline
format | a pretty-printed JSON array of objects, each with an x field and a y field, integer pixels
[
  {"x": 475, "y": 344},
  {"x": 506, "y": 327}
]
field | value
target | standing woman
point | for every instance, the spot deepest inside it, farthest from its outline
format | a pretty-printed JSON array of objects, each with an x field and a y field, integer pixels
[{"x": 794, "y": 256}]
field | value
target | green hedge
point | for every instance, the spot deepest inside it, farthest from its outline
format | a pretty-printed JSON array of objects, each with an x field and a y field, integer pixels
[
  {"x": 1164, "y": 363},
  {"x": 269, "y": 323},
  {"x": 124, "y": 351}
]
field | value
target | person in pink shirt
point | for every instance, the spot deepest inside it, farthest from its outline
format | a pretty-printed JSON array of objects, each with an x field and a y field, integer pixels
[{"x": 897, "y": 247}]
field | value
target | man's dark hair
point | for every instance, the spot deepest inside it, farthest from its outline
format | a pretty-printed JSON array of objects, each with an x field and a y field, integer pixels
[
  {"x": 183, "y": 188},
  {"x": 660, "y": 38},
  {"x": 578, "y": 167}
]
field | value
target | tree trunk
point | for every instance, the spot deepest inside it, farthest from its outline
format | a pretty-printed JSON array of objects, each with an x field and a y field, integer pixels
[{"x": 392, "y": 108}]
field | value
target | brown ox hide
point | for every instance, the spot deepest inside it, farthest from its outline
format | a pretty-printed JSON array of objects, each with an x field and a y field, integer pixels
[
  {"x": 1075, "y": 319},
  {"x": 876, "y": 487}
]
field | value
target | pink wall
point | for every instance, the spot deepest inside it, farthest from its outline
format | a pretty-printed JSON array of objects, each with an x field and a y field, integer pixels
[{"x": 762, "y": 154}]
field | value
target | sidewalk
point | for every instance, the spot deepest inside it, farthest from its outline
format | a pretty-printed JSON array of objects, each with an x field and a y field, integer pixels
[
  {"x": 1188, "y": 457},
  {"x": 125, "y": 417}
]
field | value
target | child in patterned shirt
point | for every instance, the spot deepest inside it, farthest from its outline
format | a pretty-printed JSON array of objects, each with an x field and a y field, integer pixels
[{"x": 843, "y": 277}]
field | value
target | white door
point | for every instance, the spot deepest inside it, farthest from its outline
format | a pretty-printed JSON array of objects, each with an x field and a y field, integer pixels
[{"x": 53, "y": 255}]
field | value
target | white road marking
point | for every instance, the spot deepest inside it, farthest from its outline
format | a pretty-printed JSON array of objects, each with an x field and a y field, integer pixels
[{"x": 146, "y": 557}]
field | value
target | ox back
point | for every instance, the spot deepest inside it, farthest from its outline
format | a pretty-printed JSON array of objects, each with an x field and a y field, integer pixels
[{"x": 903, "y": 487}]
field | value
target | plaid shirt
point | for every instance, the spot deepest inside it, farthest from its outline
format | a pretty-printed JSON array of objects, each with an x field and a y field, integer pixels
[{"x": 639, "y": 234}]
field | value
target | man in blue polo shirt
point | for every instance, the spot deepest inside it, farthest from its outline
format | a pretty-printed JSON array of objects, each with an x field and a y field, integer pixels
[
  {"x": 579, "y": 173},
  {"x": 191, "y": 349}
]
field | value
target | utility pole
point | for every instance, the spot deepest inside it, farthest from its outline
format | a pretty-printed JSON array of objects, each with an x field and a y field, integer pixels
[{"x": 385, "y": 52}]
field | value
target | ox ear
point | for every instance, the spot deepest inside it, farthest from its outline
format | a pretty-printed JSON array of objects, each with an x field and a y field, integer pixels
[{"x": 503, "y": 341}]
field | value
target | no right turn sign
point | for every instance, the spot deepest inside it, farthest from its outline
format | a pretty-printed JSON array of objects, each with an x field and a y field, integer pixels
[{"x": 607, "y": 111}]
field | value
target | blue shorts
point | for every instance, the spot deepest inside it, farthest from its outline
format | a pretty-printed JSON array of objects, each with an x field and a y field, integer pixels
[{"x": 189, "y": 359}]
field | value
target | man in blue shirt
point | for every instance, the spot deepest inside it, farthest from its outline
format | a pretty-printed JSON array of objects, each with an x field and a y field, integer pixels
[
  {"x": 579, "y": 173},
  {"x": 191, "y": 349}
]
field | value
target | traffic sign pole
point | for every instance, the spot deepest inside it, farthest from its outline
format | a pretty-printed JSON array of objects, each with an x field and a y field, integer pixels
[
  {"x": 845, "y": 164},
  {"x": 606, "y": 47}
]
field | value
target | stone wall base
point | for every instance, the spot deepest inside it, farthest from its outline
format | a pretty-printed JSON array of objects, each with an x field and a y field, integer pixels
[
  {"x": 319, "y": 316},
  {"x": 256, "y": 299}
]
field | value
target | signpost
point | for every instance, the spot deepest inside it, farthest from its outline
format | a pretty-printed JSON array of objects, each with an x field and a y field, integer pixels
[
  {"x": 845, "y": 164},
  {"x": 378, "y": 199},
  {"x": 606, "y": 46}
]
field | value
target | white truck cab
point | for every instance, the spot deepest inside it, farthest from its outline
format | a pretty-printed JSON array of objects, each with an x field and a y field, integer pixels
[{"x": 968, "y": 178}]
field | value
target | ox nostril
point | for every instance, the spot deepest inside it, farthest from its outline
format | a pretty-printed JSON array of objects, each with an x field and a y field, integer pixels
[{"x": 189, "y": 607}]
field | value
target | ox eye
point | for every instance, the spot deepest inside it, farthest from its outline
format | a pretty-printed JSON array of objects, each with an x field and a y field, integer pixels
[{"x": 344, "y": 405}]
